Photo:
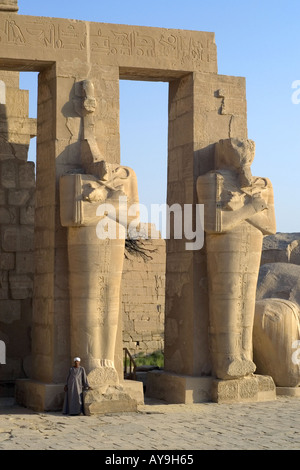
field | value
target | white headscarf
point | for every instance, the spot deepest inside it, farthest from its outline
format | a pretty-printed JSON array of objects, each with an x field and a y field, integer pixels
[{"x": 76, "y": 359}]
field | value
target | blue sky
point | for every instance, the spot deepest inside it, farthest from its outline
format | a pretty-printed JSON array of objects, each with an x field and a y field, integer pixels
[{"x": 258, "y": 40}]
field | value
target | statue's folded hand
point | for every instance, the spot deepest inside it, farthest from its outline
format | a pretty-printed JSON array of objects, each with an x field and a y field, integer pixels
[{"x": 259, "y": 203}]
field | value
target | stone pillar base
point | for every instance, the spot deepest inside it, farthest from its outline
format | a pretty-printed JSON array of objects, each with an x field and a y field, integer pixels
[
  {"x": 42, "y": 397},
  {"x": 39, "y": 396},
  {"x": 114, "y": 399},
  {"x": 288, "y": 391},
  {"x": 135, "y": 390},
  {"x": 174, "y": 388},
  {"x": 254, "y": 388}
]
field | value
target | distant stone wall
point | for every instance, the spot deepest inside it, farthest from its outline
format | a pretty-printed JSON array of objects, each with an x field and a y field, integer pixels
[
  {"x": 143, "y": 299},
  {"x": 17, "y": 192},
  {"x": 281, "y": 248}
]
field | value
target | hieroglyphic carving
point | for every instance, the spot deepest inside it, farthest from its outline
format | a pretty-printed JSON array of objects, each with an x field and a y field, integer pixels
[
  {"x": 136, "y": 44},
  {"x": 36, "y": 30},
  {"x": 55, "y": 36},
  {"x": 190, "y": 49},
  {"x": 169, "y": 45},
  {"x": 13, "y": 33},
  {"x": 101, "y": 287},
  {"x": 196, "y": 49},
  {"x": 123, "y": 43},
  {"x": 144, "y": 44},
  {"x": 38, "y": 33},
  {"x": 176, "y": 46}
]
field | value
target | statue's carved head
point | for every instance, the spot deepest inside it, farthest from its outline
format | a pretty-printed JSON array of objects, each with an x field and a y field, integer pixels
[
  {"x": 237, "y": 155},
  {"x": 84, "y": 100}
]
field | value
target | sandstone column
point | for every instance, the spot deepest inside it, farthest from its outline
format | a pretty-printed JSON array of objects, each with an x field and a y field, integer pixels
[{"x": 203, "y": 108}]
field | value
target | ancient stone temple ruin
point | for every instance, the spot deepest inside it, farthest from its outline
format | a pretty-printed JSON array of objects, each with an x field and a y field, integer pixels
[{"x": 76, "y": 275}]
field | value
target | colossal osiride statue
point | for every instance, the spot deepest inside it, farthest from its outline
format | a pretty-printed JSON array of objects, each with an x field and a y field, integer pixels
[
  {"x": 88, "y": 207},
  {"x": 238, "y": 212},
  {"x": 94, "y": 205}
]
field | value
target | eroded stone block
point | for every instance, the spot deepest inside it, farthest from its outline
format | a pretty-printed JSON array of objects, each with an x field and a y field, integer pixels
[
  {"x": 24, "y": 262},
  {"x": 18, "y": 197},
  {"x": 21, "y": 285},
  {"x": 8, "y": 174},
  {"x": 113, "y": 400},
  {"x": 27, "y": 175},
  {"x": 27, "y": 215},
  {"x": 10, "y": 311},
  {"x": 254, "y": 388},
  {"x": 7, "y": 261},
  {"x": 17, "y": 238}
]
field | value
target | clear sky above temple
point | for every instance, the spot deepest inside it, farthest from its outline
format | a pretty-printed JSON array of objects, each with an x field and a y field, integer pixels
[{"x": 256, "y": 39}]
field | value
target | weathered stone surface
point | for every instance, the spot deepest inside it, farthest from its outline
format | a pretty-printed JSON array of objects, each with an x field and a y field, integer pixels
[
  {"x": 143, "y": 297},
  {"x": 7, "y": 261},
  {"x": 135, "y": 390},
  {"x": 8, "y": 215},
  {"x": 158, "y": 54},
  {"x": 21, "y": 285},
  {"x": 4, "y": 286},
  {"x": 2, "y": 197},
  {"x": 279, "y": 280},
  {"x": 18, "y": 197},
  {"x": 27, "y": 175},
  {"x": 103, "y": 376},
  {"x": 288, "y": 391},
  {"x": 27, "y": 215},
  {"x": 176, "y": 388},
  {"x": 39, "y": 396},
  {"x": 10, "y": 311},
  {"x": 16, "y": 190},
  {"x": 247, "y": 389},
  {"x": 281, "y": 248},
  {"x": 9, "y": 5},
  {"x": 8, "y": 174},
  {"x": 276, "y": 340},
  {"x": 25, "y": 262},
  {"x": 113, "y": 400},
  {"x": 276, "y": 329},
  {"x": 17, "y": 238}
]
